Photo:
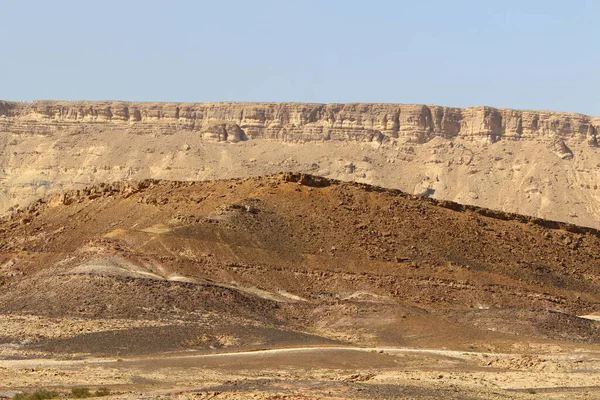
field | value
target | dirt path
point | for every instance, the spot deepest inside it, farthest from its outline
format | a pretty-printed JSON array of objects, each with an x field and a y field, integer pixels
[
  {"x": 31, "y": 363},
  {"x": 457, "y": 354}
]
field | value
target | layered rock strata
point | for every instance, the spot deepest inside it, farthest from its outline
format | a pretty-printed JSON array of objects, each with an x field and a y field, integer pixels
[{"x": 299, "y": 121}]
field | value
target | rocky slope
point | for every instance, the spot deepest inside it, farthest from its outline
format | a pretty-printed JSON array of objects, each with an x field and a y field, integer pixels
[
  {"x": 348, "y": 291},
  {"x": 297, "y": 252},
  {"x": 532, "y": 162}
]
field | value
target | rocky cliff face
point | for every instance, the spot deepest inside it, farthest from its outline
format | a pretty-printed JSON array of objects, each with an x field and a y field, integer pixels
[
  {"x": 538, "y": 163},
  {"x": 301, "y": 121}
]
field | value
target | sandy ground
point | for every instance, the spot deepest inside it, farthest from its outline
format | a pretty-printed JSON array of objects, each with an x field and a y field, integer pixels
[{"x": 326, "y": 372}]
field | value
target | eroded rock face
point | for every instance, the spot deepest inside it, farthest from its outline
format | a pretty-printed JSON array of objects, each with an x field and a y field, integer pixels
[
  {"x": 300, "y": 121},
  {"x": 224, "y": 132},
  {"x": 561, "y": 149}
]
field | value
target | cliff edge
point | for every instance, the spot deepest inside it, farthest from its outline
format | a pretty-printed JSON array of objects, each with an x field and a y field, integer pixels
[{"x": 304, "y": 121}]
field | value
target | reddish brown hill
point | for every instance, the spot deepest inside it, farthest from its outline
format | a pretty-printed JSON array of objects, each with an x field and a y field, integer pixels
[{"x": 302, "y": 259}]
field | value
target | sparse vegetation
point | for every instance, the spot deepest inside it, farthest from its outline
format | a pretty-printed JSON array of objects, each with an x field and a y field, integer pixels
[
  {"x": 77, "y": 393},
  {"x": 39, "y": 394}
]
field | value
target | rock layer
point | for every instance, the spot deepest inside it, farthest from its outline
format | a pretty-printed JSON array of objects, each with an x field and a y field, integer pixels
[{"x": 301, "y": 121}]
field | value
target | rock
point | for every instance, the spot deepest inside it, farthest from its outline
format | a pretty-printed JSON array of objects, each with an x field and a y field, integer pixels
[
  {"x": 224, "y": 131},
  {"x": 301, "y": 121},
  {"x": 561, "y": 149}
]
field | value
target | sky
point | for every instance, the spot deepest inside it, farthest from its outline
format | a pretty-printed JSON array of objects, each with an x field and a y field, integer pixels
[{"x": 528, "y": 54}]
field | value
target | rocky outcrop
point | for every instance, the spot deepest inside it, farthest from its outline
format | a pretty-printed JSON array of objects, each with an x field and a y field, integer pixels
[
  {"x": 298, "y": 121},
  {"x": 561, "y": 150},
  {"x": 224, "y": 132}
]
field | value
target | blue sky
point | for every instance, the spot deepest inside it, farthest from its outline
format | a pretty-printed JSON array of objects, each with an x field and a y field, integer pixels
[{"x": 521, "y": 54}]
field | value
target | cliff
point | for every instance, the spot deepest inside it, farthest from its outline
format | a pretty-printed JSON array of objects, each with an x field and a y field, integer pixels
[
  {"x": 301, "y": 121},
  {"x": 537, "y": 163}
]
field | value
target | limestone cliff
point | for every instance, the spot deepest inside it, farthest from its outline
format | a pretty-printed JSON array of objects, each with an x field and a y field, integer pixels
[
  {"x": 538, "y": 163},
  {"x": 301, "y": 121}
]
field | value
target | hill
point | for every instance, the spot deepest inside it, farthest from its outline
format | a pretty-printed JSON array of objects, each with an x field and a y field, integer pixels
[
  {"x": 297, "y": 250},
  {"x": 325, "y": 287}
]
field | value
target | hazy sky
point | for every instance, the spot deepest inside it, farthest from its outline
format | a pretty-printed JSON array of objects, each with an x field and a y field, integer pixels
[{"x": 537, "y": 54}]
